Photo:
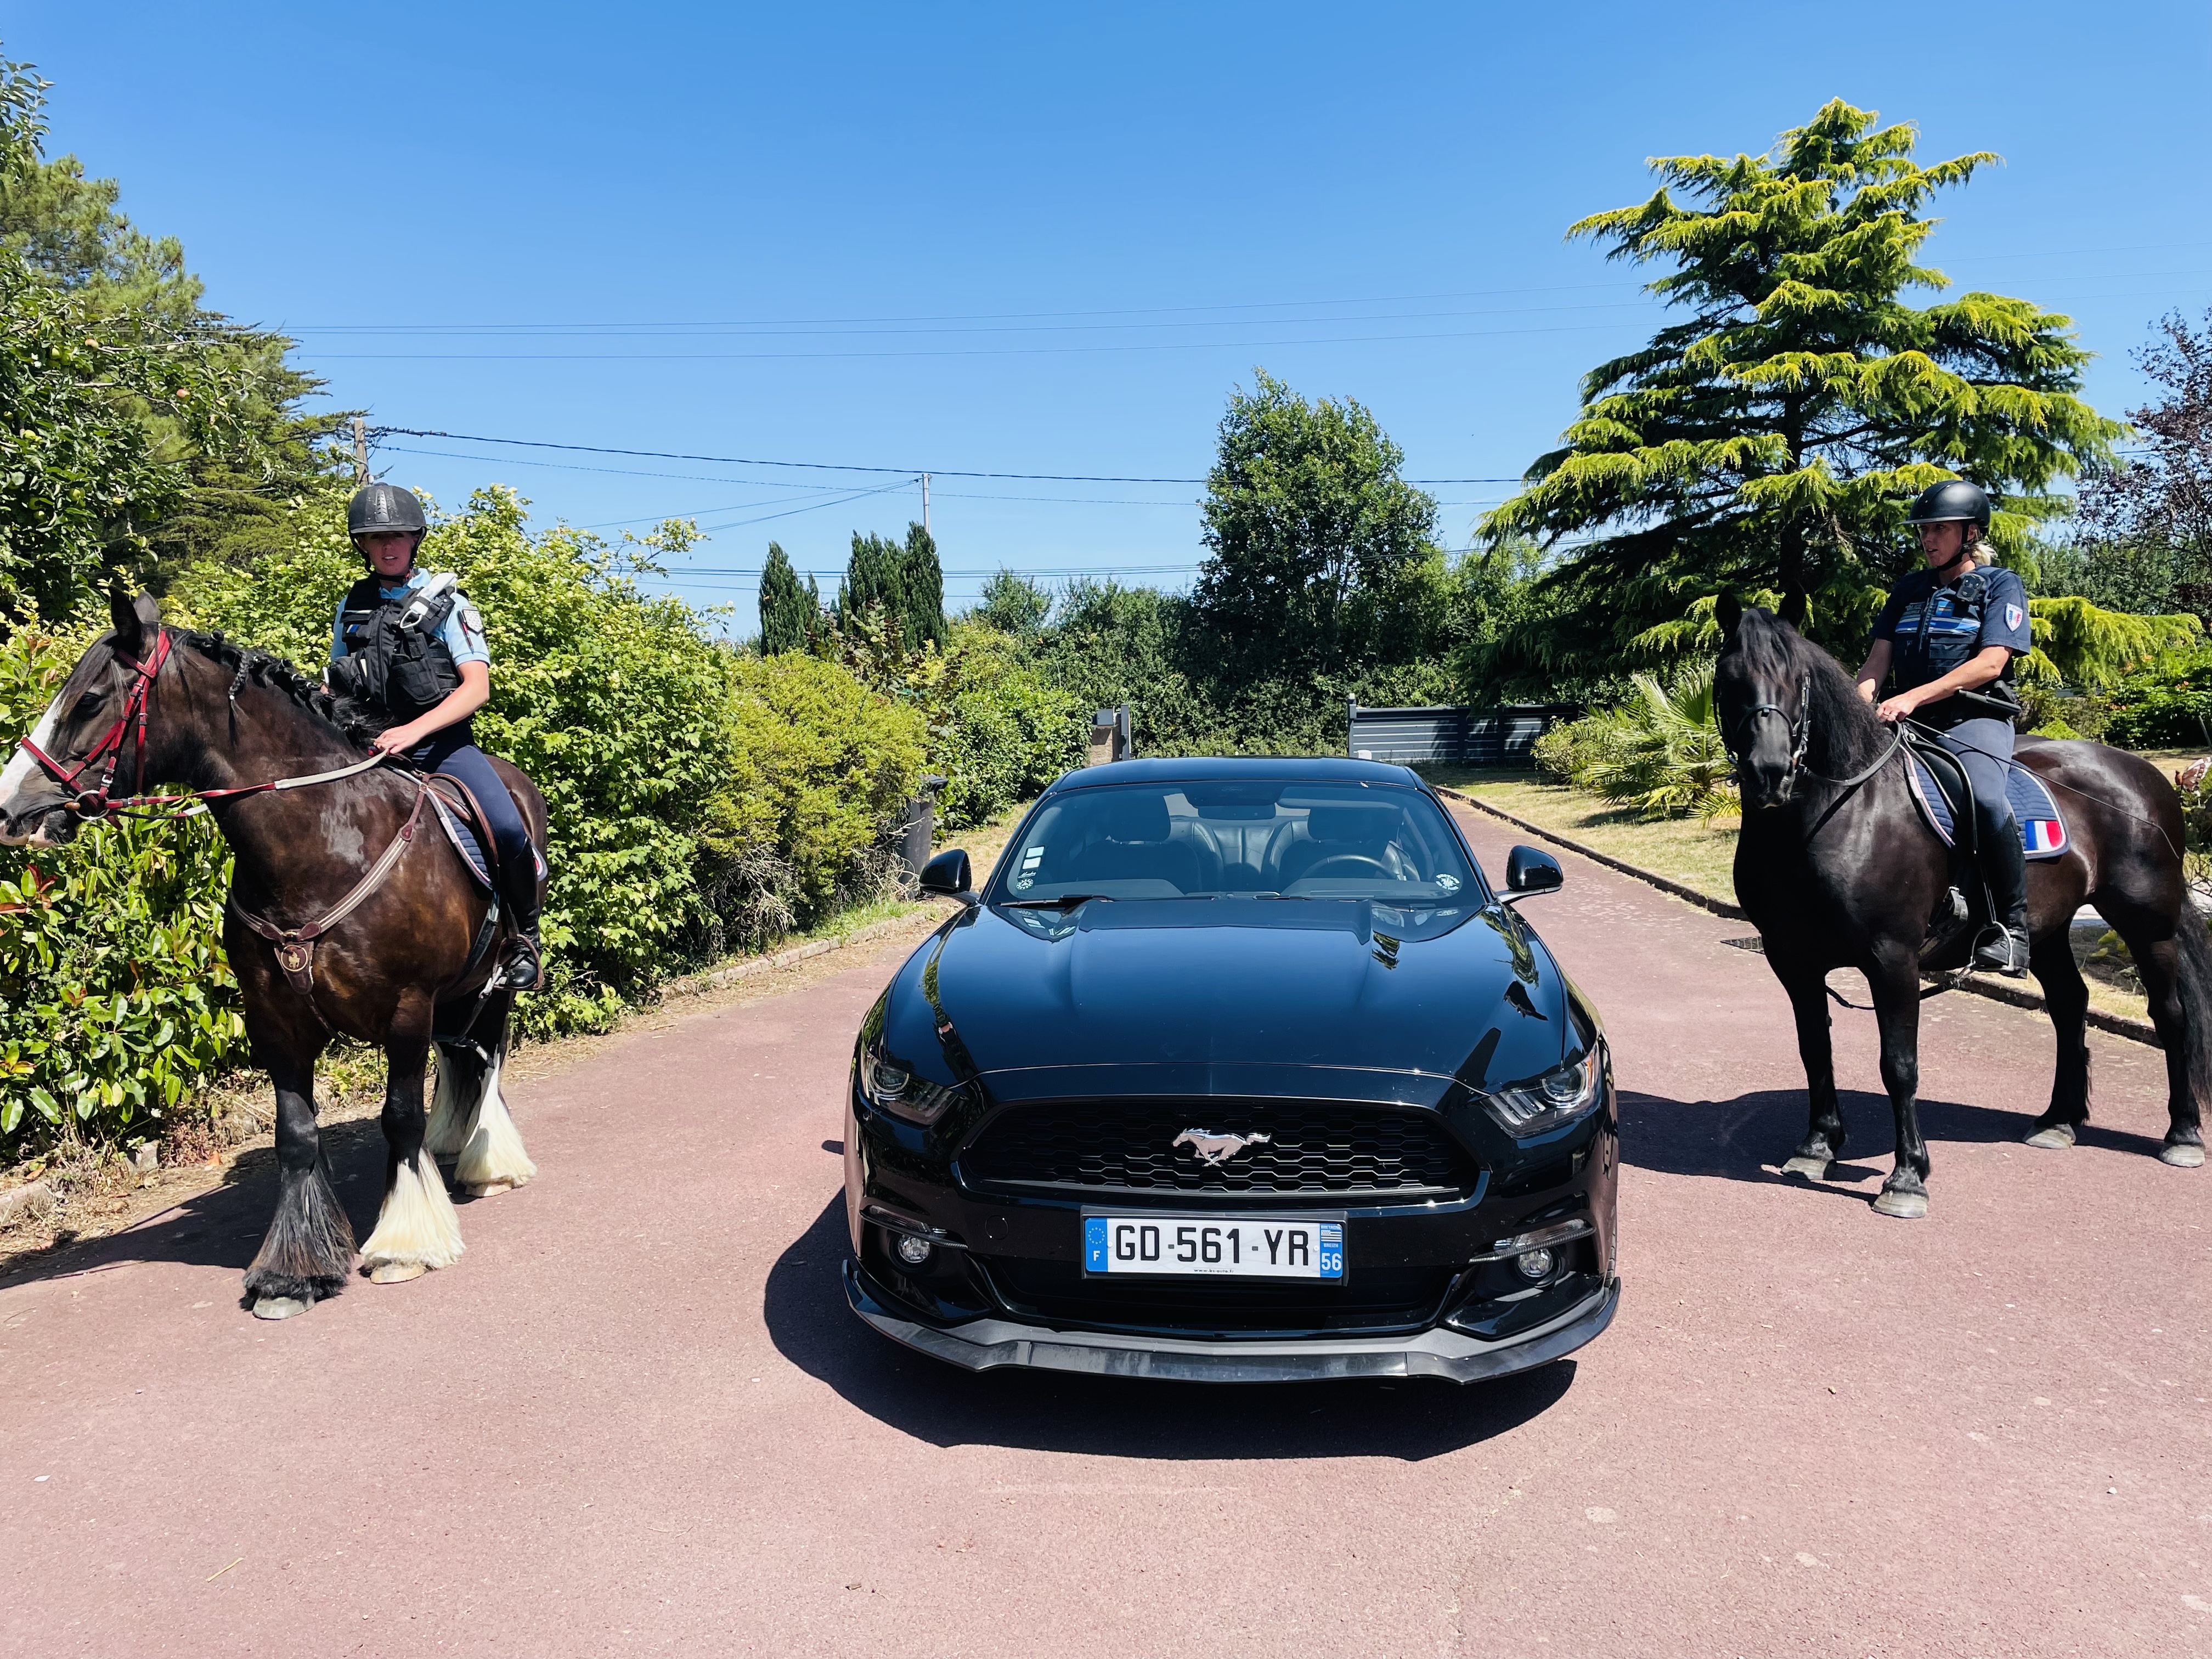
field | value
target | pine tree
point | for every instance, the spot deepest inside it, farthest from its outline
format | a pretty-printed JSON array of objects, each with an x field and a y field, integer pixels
[
  {"x": 924, "y": 581},
  {"x": 790, "y": 614},
  {"x": 1772, "y": 438}
]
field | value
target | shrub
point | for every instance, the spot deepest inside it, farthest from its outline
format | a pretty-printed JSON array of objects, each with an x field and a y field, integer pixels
[
  {"x": 2166, "y": 707},
  {"x": 698, "y": 798},
  {"x": 114, "y": 995},
  {"x": 1659, "y": 752}
]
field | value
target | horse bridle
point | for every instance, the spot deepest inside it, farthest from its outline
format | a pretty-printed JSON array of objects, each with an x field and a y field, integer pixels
[
  {"x": 131, "y": 726},
  {"x": 1800, "y": 733},
  {"x": 98, "y": 803},
  {"x": 1799, "y": 729}
]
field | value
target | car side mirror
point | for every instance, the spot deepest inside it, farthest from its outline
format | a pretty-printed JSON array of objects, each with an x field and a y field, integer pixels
[
  {"x": 1528, "y": 872},
  {"x": 950, "y": 875}
]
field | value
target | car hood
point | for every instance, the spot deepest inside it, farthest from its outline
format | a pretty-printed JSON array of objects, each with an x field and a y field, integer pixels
[{"x": 1217, "y": 992}]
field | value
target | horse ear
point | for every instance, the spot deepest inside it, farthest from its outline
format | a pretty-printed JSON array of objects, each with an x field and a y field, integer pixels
[
  {"x": 122, "y": 616},
  {"x": 1728, "y": 610},
  {"x": 1793, "y": 609}
]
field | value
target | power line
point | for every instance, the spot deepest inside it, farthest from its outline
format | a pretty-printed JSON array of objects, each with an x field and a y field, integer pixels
[{"x": 825, "y": 467}]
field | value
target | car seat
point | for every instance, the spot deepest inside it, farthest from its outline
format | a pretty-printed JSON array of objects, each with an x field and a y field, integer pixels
[
  {"x": 1131, "y": 839},
  {"x": 1335, "y": 831}
]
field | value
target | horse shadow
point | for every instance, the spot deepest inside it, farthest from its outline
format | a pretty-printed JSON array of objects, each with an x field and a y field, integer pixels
[
  {"x": 1733, "y": 1140},
  {"x": 807, "y": 1317},
  {"x": 222, "y": 1225}
]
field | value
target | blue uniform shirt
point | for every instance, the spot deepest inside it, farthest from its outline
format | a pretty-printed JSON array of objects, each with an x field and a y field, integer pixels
[
  {"x": 462, "y": 633},
  {"x": 1933, "y": 627}
]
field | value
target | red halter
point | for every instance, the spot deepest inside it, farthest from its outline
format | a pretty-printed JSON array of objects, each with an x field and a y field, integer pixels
[{"x": 96, "y": 803}]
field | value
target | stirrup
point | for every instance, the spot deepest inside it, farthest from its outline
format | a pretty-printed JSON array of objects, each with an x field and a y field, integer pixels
[
  {"x": 2003, "y": 951},
  {"x": 524, "y": 968}
]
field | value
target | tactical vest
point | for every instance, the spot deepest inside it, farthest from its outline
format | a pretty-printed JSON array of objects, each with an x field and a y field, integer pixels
[
  {"x": 1938, "y": 629},
  {"x": 407, "y": 672}
]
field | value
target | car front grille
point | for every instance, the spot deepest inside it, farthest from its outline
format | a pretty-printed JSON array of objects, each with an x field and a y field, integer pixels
[
  {"x": 1323, "y": 1149},
  {"x": 1371, "y": 1301}
]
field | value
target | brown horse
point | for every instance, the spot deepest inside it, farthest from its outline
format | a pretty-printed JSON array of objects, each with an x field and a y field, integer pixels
[{"x": 349, "y": 914}]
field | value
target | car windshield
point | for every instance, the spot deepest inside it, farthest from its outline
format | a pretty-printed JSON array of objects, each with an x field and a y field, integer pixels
[{"x": 1286, "y": 840}]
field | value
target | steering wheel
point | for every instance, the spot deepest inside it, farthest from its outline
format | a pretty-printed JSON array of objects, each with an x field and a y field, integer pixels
[{"x": 1358, "y": 858}]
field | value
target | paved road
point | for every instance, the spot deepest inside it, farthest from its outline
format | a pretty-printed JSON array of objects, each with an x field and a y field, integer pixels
[{"x": 637, "y": 1418}]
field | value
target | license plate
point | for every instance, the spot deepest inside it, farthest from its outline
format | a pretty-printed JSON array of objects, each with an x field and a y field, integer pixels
[{"x": 1226, "y": 1247}]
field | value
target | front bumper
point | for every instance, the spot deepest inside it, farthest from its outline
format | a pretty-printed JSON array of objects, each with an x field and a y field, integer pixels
[{"x": 980, "y": 1345}]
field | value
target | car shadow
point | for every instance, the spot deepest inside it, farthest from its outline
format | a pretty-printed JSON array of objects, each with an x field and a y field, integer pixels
[
  {"x": 1411, "y": 1420},
  {"x": 223, "y": 1226},
  {"x": 1732, "y": 1140}
]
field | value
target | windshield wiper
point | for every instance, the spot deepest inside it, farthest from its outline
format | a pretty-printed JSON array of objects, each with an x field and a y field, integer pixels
[{"x": 1065, "y": 902}]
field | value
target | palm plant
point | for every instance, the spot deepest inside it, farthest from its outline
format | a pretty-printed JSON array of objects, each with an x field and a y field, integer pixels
[{"x": 1660, "y": 751}]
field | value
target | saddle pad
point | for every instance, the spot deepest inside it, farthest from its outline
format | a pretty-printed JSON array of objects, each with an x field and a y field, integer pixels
[
  {"x": 2034, "y": 809},
  {"x": 461, "y": 830},
  {"x": 462, "y": 835}
]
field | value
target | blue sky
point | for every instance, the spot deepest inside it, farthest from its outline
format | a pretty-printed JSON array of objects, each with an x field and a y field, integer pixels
[{"x": 1045, "y": 240}]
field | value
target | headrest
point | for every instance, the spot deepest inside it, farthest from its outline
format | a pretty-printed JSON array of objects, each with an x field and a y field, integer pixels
[
  {"x": 1133, "y": 815},
  {"x": 1357, "y": 824}
]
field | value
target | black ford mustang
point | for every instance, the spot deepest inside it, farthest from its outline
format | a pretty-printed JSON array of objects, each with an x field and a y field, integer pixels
[{"x": 1238, "y": 1070}]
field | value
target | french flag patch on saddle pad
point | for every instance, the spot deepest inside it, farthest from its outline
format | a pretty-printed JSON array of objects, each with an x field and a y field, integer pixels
[{"x": 2034, "y": 809}]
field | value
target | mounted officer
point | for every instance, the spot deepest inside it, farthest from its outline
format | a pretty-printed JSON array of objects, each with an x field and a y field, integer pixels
[
  {"x": 1946, "y": 644},
  {"x": 410, "y": 643}
]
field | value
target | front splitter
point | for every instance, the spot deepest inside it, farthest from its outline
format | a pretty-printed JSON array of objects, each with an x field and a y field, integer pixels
[{"x": 982, "y": 1344}]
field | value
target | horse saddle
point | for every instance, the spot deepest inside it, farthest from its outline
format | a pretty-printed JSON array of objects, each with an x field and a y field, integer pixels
[
  {"x": 1945, "y": 799},
  {"x": 462, "y": 819}
]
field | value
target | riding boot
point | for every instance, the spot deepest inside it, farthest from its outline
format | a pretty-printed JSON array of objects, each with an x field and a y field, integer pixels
[
  {"x": 522, "y": 967},
  {"x": 2002, "y": 946}
]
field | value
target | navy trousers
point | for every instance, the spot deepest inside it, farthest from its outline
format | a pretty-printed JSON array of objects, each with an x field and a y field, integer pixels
[
  {"x": 451, "y": 750},
  {"x": 1984, "y": 748}
]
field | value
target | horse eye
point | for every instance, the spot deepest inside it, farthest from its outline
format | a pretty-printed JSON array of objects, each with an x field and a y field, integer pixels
[{"x": 89, "y": 704}]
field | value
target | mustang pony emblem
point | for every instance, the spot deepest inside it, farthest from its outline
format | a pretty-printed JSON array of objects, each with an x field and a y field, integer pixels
[{"x": 1217, "y": 1149}]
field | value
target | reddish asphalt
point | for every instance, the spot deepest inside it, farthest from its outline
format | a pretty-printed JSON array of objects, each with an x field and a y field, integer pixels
[{"x": 637, "y": 1418}]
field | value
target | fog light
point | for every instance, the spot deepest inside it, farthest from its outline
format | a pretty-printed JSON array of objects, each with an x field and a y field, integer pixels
[
  {"x": 1533, "y": 1264},
  {"x": 914, "y": 1251}
]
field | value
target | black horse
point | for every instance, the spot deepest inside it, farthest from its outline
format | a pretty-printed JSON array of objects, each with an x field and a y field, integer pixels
[
  {"x": 1837, "y": 869},
  {"x": 349, "y": 914}
]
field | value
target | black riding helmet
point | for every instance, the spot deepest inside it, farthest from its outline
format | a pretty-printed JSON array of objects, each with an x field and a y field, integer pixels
[
  {"x": 383, "y": 509},
  {"x": 1953, "y": 500}
]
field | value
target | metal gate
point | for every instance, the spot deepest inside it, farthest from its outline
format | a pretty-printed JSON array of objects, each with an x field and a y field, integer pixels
[{"x": 1452, "y": 736}]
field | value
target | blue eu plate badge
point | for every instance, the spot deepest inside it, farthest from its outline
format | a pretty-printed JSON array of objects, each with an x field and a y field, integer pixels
[{"x": 1231, "y": 1247}]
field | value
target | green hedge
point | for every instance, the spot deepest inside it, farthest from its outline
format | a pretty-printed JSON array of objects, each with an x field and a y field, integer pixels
[
  {"x": 699, "y": 799},
  {"x": 2166, "y": 707}
]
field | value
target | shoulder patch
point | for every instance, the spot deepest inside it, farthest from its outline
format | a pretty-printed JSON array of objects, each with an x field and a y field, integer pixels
[
  {"x": 471, "y": 622},
  {"x": 2014, "y": 616}
]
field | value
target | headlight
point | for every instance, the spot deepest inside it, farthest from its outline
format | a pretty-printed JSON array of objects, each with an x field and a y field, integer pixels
[
  {"x": 1553, "y": 1100},
  {"x": 890, "y": 1087}
]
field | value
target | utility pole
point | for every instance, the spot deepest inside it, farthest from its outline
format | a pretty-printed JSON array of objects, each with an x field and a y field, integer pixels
[
  {"x": 925, "y": 503},
  {"x": 360, "y": 451}
]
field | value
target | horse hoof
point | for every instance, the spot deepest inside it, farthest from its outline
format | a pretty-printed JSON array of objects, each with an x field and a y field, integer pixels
[
  {"x": 280, "y": 1307},
  {"x": 488, "y": 1188},
  {"x": 1905, "y": 1207},
  {"x": 395, "y": 1272},
  {"x": 2053, "y": 1137},
  {"x": 2182, "y": 1155},
  {"x": 1813, "y": 1169}
]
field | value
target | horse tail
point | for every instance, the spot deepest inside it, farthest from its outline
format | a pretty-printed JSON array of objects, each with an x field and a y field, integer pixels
[{"x": 2194, "y": 953}]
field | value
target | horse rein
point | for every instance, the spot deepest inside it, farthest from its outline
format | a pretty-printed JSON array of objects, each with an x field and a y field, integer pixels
[
  {"x": 1801, "y": 733},
  {"x": 98, "y": 803},
  {"x": 293, "y": 947}
]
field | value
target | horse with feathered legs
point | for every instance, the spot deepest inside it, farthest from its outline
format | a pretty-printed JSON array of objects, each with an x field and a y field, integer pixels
[
  {"x": 348, "y": 915},
  {"x": 1836, "y": 869}
]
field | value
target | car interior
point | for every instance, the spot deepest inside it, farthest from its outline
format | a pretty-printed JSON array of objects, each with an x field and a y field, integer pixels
[{"x": 1288, "y": 840}]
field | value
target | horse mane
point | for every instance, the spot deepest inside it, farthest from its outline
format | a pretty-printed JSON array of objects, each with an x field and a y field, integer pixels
[
  {"x": 1846, "y": 735},
  {"x": 353, "y": 721}
]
